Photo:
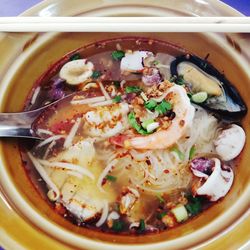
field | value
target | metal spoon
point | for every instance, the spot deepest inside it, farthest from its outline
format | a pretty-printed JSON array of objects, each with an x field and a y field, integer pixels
[{"x": 20, "y": 124}]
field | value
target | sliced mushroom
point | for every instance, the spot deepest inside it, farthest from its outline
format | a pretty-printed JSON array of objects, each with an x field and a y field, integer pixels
[
  {"x": 218, "y": 183},
  {"x": 77, "y": 71},
  {"x": 230, "y": 142},
  {"x": 133, "y": 62}
]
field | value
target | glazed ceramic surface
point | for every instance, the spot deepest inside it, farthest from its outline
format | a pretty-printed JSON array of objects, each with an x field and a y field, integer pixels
[{"x": 26, "y": 219}]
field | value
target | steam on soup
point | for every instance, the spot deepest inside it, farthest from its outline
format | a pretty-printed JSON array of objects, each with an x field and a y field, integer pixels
[{"x": 147, "y": 141}]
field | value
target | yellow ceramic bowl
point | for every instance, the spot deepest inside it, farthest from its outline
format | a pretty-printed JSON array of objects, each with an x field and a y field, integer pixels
[{"x": 28, "y": 221}]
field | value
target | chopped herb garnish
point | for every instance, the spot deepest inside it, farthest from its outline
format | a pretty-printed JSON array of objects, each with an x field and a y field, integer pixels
[
  {"x": 111, "y": 178},
  {"x": 155, "y": 62},
  {"x": 96, "y": 74},
  {"x": 117, "y": 98},
  {"x": 180, "y": 80},
  {"x": 144, "y": 97},
  {"x": 147, "y": 122},
  {"x": 192, "y": 152},
  {"x": 142, "y": 226},
  {"x": 163, "y": 107},
  {"x": 117, "y": 84},
  {"x": 151, "y": 104},
  {"x": 172, "y": 78},
  {"x": 133, "y": 122},
  {"x": 189, "y": 95},
  {"x": 118, "y": 55},
  {"x": 194, "y": 205},
  {"x": 179, "y": 153},
  {"x": 161, "y": 215},
  {"x": 133, "y": 89},
  {"x": 160, "y": 198},
  {"x": 117, "y": 225},
  {"x": 76, "y": 56}
]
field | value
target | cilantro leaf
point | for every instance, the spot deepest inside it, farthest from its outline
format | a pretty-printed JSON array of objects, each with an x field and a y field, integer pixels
[
  {"x": 117, "y": 225},
  {"x": 142, "y": 226},
  {"x": 133, "y": 89},
  {"x": 163, "y": 107},
  {"x": 75, "y": 56},
  {"x": 133, "y": 122},
  {"x": 117, "y": 98},
  {"x": 96, "y": 74},
  {"x": 111, "y": 178},
  {"x": 117, "y": 84},
  {"x": 118, "y": 55}
]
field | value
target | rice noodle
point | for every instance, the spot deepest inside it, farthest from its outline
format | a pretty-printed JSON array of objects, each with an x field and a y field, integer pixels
[
  {"x": 44, "y": 131},
  {"x": 134, "y": 224},
  {"x": 88, "y": 100},
  {"x": 105, "y": 93},
  {"x": 44, "y": 175},
  {"x": 73, "y": 173},
  {"x": 50, "y": 139},
  {"x": 51, "y": 145},
  {"x": 113, "y": 216},
  {"x": 104, "y": 173},
  {"x": 105, "y": 211},
  {"x": 104, "y": 103},
  {"x": 68, "y": 166},
  {"x": 35, "y": 94},
  {"x": 122, "y": 83},
  {"x": 69, "y": 139}
]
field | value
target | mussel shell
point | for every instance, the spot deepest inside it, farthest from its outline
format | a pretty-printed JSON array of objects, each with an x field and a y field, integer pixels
[{"x": 228, "y": 88}]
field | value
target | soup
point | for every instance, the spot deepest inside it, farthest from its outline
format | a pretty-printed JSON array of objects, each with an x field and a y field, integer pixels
[{"x": 145, "y": 139}]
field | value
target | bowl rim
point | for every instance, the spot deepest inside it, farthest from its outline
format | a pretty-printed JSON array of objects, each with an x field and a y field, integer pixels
[{"x": 223, "y": 224}]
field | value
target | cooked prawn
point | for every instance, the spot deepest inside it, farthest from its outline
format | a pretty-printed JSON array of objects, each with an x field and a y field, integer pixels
[
  {"x": 106, "y": 121},
  {"x": 165, "y": 138}
]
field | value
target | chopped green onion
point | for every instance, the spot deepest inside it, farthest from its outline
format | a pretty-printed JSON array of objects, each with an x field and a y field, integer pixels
[
  {"x": 194, "y": 205},
  {"x": 117, "y": 98},
  {"x": 192, "y": 152},
  {"x": 151, "y": 104},
  {"x": 161, "y": 215},
  {"x": 133, "y": 89},
  {"x": 152, "y": 126},
  {"x": 96, "y": 74},
  {"x": 117, "y": 84},
  {"x": 111, "y": 178},
  {"x": 147, "y": 122},
  {"x": 142, "y": 226},
  {"x": 163, "y": 107},
  {"x": 117, "y": 225},
  {"x": 118, "y": 55},
  {"x": 160, "y": 198},
  {"x": 155, "y": 62},
  {"x": 144, "y": 97},
  {"x": 76, "y": 56},
  {"x": 180, "y": 213},
  {"x": 179, "y": 153},
  {"x": 133, "y": 122},
  {"x": 199, "y": 97}
]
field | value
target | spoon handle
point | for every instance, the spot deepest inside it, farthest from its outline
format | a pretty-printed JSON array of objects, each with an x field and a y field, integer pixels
[{"x": 18, "y": 124}]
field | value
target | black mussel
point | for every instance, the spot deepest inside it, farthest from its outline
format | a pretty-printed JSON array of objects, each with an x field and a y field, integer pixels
[{"x": 200, "y": 76}]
